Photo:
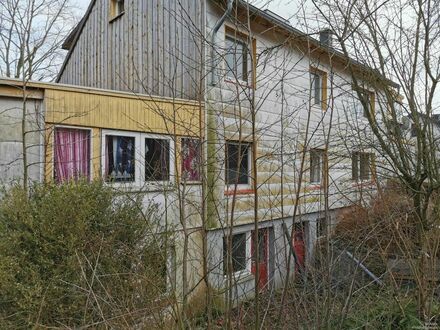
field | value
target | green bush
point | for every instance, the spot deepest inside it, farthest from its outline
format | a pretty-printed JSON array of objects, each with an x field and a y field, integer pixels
[{"x": 74, "y": 255}]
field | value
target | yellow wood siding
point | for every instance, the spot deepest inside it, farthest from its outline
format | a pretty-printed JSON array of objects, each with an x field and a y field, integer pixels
[
  {"x": 97, "y": 111},
  {"x": 122, "y": 112}
]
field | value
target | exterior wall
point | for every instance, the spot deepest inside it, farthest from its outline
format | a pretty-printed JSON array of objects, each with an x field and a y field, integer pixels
[
  {"x": 100, "y": 110},
  {"x": 11, "y": 138},
  {"x": 287, "y": 124},
  {"x": 279, "y": 253},
  {"x": 154, "y": 48},
  {"x": 106, "y": 111}
]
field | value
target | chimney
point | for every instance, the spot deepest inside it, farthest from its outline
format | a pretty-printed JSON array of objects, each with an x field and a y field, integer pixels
[{"x": 326, "y": 37}]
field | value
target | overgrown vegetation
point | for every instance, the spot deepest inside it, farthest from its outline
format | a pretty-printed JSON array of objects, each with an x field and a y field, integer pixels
[{"x": 75, "y": 255}]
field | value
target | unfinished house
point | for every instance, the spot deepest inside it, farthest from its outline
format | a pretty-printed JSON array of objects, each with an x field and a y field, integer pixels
[{"x": 252, "y": 143}]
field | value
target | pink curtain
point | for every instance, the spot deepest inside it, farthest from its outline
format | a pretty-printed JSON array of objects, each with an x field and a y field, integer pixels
[
  {"x": 191, "y": 159},
  {"x": 72, "y": 154}
]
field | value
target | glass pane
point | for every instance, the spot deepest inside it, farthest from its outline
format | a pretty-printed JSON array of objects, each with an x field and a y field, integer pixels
[
  {"x": 315, "y": 166},
  {"x": 237, "y": 163},
  {"x": 71, "y": 154},
  {"x": 354, "y": 166},
  {"x": 120, "y": 158},
  {"x": 191, "y": 158},
  {"x": 238, "y": 253},
  {"x": 157, "y": 160},
  {"x": 236, "y": 59},
  {"x": 316, "y": 88},
  {"x": 365, "y": 166}
]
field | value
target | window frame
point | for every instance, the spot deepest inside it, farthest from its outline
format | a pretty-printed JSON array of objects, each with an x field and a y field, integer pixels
[
  {"x": 356, "y": 166},
  {"x": 231, "y": 186},
  {"x": 248, "y": 255},
  {"x": 104, "y": 134},
  {"x": 199, "y": 141},
  {"x": 320, "y": 153},
  {"x": 114, "y": 10},
  {"x": 91, "y": 173},
  {"x": 251, "y": 46},
  {"x": 371, "y": 100},
  {"x": 170, "y": 160},
  {"x": 322, "y": 104},
  {"x": 139, "y": 158}
]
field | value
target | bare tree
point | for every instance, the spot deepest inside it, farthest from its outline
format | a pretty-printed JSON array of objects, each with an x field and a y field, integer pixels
[
  {"x": 31, "y": 34},
  {"x": 399, "y": 41}
]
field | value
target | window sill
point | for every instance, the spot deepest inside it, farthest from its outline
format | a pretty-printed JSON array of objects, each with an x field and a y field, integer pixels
[
  {"x": 115, "y": 18},
  {"x": 238, "y": 82},
  {"x": 241, "y": 276},
  {"x": 190, "y": 183},
  {"x": 315, "y": 186},
  {"x": 240, "y": 191},
  {"x": 363, "y": 184}
]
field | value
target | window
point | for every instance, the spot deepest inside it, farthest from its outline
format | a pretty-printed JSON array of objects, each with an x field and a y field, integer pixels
[
  {"x": 361, "y": 166},
  {"x": 238, "y": 250},
  {"x": 237, "y": 162},
  {"x": 157, "y": 159},
  {"x": 71, "y": 154},
  {"x": 119, "y": 158},
  {"x": 368, "y": 97},
  {"x": 316, "y": 88},
  {"x": 236, "y": 58},
  {"x": 116, "y": 8},
  {"x": 318, "y": 85},
  {"x": 413, "y": 130},
  {"x": 191, "y": 159},
  {"x": 321, "y": 227},
  {"x": 316, "y": 165}
]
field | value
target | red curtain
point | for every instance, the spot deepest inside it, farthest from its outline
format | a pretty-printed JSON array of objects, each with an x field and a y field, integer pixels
[{"x": 72, "y": 154}]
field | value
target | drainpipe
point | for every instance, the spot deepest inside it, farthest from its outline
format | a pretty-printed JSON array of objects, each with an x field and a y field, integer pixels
[{"x": 214, "y": 34}]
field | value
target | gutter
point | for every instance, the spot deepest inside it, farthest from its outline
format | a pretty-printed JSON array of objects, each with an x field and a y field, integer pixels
[{"x": 214, "y": 34}]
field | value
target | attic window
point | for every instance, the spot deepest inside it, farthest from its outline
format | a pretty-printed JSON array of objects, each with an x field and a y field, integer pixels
[{"x": 116, "y": 8}]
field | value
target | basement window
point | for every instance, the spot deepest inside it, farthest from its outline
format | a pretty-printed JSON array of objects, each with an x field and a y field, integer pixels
[
  {"x": 238, "y": 252},
  {"x": 238, "y": 163}
]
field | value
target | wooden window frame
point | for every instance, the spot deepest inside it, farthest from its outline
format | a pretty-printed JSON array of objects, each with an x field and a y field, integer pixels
[
  {"x": 323, "y": 75},
  {"x": 371, "y": 98},
  {"x": 230, "y": 186},
  {"x": 320, "y": 154},
  {"x": 357, "y": 165},
  {"x": 248, "y": 260},
  {"x": 232, "y": 33},
  {"x": 114, "y": 12}
]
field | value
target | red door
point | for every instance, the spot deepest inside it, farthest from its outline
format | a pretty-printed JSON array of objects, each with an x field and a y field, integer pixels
[
  {"x": 299, "y": 246},
  {"x": 263, "y": 254}
]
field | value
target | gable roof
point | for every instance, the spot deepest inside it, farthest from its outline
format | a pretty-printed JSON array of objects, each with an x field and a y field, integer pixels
[
  {"x": 267, "y": 15},
  {"x": 71, "y": 40}
]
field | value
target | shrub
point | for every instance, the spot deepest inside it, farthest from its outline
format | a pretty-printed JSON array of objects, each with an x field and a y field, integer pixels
[{"x": 74, "y": 254}]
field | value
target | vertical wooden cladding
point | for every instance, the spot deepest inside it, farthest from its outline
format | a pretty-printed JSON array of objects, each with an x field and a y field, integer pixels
[
  {"x": 120, "y": 111},
  {"x": 153, "y": 48}
]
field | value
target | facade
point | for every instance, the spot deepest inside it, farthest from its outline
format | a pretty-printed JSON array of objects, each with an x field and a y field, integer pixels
[{"x": 258, "y": 136}]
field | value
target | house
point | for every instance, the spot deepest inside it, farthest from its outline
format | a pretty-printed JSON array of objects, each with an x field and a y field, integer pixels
[{"x": 280, "y": 138}]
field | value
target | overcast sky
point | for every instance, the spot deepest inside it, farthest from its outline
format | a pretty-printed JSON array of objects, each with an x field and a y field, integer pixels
[{"x": 284, "y": 8}]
